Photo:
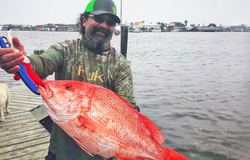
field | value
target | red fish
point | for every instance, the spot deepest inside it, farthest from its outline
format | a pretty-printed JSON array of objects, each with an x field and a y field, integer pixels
[{"x": 103, "y": 123}]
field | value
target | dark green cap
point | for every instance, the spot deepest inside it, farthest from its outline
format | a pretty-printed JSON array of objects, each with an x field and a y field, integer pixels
[{"x": 97, "y": 7}]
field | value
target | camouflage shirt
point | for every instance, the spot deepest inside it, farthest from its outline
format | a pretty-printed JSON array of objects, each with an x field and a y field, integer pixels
[{"x": 72, "y": 60}]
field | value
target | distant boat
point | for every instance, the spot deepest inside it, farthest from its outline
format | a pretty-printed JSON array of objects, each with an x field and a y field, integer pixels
[
  {"x": 176, "y": 30},
  {"x": 137, "y": 30},
  {"x": 156, "y": 30},
  {"x": 70, "y": 30}
]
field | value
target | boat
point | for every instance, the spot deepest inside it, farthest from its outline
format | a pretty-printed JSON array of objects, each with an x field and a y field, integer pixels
[
  {"x": 156, "y": 29},
  {"x": 176, "y": 30},
  {"x": 137, "y": 30}
]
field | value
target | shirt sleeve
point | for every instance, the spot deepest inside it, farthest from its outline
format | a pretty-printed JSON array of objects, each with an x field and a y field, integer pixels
[
  {"x": 47, "y": 63},
  {"x": 124, "y": 83}
]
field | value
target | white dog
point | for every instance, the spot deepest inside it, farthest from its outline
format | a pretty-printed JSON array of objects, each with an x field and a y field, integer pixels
[{"x": 4, "y": 100}]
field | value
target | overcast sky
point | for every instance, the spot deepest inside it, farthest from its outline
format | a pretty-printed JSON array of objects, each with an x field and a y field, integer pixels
[{"x": 203, "y": 12}]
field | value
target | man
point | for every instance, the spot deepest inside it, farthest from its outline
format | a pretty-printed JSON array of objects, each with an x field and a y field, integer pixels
[{"x": 90, "y": 59}]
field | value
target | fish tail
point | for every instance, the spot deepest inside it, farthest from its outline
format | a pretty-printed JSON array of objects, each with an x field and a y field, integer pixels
[
  {"x": 173, "y": 155},
  {"x": 169, "y": 155},
  {"x": 132, "y": 159}
]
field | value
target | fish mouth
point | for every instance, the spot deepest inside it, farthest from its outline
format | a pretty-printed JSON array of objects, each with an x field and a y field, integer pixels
[
  {"x": 45, "y": 91},
  {"x": 41, "y": 90}
]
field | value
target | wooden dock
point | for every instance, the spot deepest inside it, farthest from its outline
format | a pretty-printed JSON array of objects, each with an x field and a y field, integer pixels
[{"x": 22, "y": 137}]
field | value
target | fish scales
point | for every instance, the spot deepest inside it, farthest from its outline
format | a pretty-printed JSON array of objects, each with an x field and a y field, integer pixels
[{"x": 103, "y": 123}]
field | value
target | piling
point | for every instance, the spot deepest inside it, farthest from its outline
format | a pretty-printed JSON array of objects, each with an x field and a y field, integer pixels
[
  {"x": 124, "y": 40},
  {"x": 38, "y": 52}
]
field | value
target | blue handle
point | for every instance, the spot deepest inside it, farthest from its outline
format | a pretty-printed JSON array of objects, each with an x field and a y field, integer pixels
[
  {"x": 26, "y": 79},
  {"x": 2, "y": 43},
  {"x": 23, "y": 73}
]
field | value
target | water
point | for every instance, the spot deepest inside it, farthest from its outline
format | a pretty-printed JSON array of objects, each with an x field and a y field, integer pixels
[{"x": 194, "y": 86}]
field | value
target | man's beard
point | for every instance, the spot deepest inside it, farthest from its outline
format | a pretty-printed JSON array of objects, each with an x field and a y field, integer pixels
[{"x": 99, "y": 42}]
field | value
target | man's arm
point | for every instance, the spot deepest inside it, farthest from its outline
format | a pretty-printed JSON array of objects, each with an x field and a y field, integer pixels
[
  {"x": 42, "y": 67},
  {"x": 124, "y": 84},
  {"x": 47, "y": 63}
]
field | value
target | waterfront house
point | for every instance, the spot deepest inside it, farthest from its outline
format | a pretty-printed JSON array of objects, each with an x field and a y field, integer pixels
[
  {"x": 7, "y": 27},
  {"x": 208, "y": 28},
  {"x": 67, "y": 27},
  {"x": 72, "y": 28},
  {"x": 178, "y": 26},
  {"x": 50, "y": 27},
  {"x": 224, "y": 28},
  {"x": 61, "y": 27},
  {"x": 239, "y": 28},
  {"x": 25, "y": 27},
  {"x": 137, "y": 25},
  {"x": 149, "y": 26},
  {"x": 40, "y": 28}
]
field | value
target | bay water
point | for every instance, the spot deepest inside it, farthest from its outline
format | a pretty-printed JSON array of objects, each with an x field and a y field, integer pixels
[{"x": 194, "y": 86}]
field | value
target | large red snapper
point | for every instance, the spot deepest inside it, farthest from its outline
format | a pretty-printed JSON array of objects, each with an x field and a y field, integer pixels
[{"x": 103, "y": 123}]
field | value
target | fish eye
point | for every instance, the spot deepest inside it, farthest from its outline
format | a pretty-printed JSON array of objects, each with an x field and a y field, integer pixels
[{"x": 68, "y": 86}]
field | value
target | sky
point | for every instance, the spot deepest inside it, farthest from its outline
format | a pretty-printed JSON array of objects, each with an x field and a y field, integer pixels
[{"x": 203, "y": 12}]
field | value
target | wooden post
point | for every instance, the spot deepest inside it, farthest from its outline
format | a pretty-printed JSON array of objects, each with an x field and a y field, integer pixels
[
  {"x": 38, "y": 52},
  {"x": 124, "y": 40}
]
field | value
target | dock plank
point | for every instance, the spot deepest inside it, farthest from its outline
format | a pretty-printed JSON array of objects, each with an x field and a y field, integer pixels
[
  {"x": 25, "y": 151},
  {"x": 21, "y": 135},
  {"x": 35, "y": 156},
  {"x": 19, "y": 140},
  {"x": 19, "y": 129},
  {"x": 16, "y": 127},
  {"x": 26, "y": 144}
]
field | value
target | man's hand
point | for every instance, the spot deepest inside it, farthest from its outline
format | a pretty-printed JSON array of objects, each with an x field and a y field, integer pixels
[{"x": 9, "y": 59}]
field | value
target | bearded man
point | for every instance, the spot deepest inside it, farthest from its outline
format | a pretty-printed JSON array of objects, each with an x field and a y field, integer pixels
[{"x": 90, "y": 59}]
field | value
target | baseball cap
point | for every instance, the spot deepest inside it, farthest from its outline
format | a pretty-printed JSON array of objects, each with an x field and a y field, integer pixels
[{"x": 97, "y": 7}]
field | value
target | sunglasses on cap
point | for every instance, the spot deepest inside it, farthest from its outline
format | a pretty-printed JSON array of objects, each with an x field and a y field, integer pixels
[{"x": 101, "y": 19}]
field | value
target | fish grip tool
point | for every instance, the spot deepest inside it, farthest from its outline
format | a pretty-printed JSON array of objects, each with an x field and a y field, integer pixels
[
  {"x": 28, "y": 76},
  {"x": 3, "y": 42}
]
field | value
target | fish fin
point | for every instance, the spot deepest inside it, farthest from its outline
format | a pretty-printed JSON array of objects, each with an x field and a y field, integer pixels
[
  {"x": 153, "y": 129},
  {"x": 173, "y": 155},
  {"x": 155, "y": 132},
  {"x": 93, "y": 126},
  {"x": 133, "y": 158},
  {"x": 82, "y": 146},
  {"x": 169, "y": 155}
]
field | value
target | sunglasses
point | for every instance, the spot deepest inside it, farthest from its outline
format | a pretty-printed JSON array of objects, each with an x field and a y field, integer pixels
[{"x": 101, "y": 19}]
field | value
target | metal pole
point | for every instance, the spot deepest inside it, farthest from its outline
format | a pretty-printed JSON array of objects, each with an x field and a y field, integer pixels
[
  {"x": 121, "y": 12},
  {"x": 124, "y": 40}
]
